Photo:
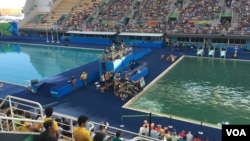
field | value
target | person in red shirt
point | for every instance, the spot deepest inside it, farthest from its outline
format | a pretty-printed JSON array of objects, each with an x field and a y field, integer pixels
[
  {"x": 196, "y": 138},
  {"x": 182, "y": 134}
]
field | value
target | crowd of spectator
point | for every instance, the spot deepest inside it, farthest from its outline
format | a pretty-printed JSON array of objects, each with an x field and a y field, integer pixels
[
  {"x": 123, "y": 87},
  {"x": 115, "y": 10},
  {"x": 167, "y": 133},
  {"x": 80, "y": 13},
  {"x": 52, "y": 129},
  {"x": 243, "y": 10},
  {"x": 153, "y": 10},
  {"x": 110, "y": 16},
  {"x": 76, "y": 20},
  {"x": 154, "y": 16},
  {"x": 196, "y": 18}
]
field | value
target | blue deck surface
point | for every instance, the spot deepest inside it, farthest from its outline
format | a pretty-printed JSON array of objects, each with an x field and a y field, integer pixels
[{"x": 106, "y": 106}]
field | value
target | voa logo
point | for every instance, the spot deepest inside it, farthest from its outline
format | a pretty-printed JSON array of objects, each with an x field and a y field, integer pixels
[{"x": 236, "y": 132}]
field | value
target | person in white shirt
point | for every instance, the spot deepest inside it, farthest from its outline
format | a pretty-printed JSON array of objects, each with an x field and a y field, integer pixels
[{"x": 189, "y": 136}]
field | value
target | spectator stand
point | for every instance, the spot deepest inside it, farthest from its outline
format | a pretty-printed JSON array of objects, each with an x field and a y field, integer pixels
[{"x": 66, "y": 123}]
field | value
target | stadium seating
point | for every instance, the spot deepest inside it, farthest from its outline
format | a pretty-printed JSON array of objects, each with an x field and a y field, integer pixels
[
  {"x": 156, "y": 16},
  {"x": 13, "y": 122}
]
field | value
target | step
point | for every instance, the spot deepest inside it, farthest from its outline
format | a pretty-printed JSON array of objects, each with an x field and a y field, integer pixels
[{"x": 44, "y": 89}]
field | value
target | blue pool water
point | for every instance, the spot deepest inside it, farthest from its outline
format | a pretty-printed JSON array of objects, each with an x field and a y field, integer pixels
[{"x": 20, "y": 63}]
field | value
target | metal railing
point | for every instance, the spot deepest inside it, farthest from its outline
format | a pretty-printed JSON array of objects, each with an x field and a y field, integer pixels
[
  {"x": 16, "y": 103},
  {"x": 8, "y": 123}
]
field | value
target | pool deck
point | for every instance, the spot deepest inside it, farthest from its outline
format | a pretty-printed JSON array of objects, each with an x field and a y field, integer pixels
[{"x": 109, "y": 108}]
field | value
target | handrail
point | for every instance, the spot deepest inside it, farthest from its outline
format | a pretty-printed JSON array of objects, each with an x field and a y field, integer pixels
[
  {"x": 138, "y": 136},
  {"x": 16, "y": 119},
  {"x": 10, "y": 99},
  {"x": 20, "y": 119},
  {"x": 135, "y": 135},
  {"x": 21, "y": 99},
  {"x": 90, "y": 126},
  {"x": 141, "y": 138}
]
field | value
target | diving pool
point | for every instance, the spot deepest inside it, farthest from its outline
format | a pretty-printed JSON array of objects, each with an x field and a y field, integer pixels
[
  {"x": 20, "y": 63},
  {"x": 199, "y": 89}
]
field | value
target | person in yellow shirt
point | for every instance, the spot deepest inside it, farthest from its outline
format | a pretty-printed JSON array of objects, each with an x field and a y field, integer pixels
[
  {"x": 55, "y": 128},
  {"x": 47, "y": 134},
  {"x": 27, "y": 126},
  {"x": 84, "y": 77},
  {"x": 80, "y": 133}
]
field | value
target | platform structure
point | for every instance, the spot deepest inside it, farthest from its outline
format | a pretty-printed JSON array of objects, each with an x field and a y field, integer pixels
[
  {"x": 223, "y": 52},
  {"x": 120, "y": 59},
  {"x": 211, "y": 51},
  {"x": 60, "y": 85},
  {"x": 200, "y": 51}
]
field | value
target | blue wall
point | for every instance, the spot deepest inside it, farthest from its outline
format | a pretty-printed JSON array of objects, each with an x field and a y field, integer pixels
[
  {"x": 144, "y": 43},
  {"x": 62, "y": 86},
  {"x": 91, "y": 40},
  {"x": 122, "y": 64},
  {"x": 66, "y": 88},
  {"x": 143, "y": 73},
  {"x": 248, "y": 44},
  {"x": 119, "y": 64}
]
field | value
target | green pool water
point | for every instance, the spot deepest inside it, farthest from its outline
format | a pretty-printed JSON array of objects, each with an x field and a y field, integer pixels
[{"x": 202, "y": 89}]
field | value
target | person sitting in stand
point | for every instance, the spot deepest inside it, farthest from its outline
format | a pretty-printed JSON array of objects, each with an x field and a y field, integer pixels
[
  {"x": 47, "y": 135},
  {"x": 117, "y": 136}
]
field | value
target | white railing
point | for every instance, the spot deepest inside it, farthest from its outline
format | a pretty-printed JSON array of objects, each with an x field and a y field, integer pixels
[
  {"x": 35, "y": 108},
  {"x": 14, "y": 103}
]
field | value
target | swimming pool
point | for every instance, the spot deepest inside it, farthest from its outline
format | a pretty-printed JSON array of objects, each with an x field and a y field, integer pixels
[
  {"x": 22, "y": 62},
  {"x": 210, "y": 90}
]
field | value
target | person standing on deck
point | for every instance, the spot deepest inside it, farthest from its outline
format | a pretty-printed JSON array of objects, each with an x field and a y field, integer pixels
[{"x": 84, "y": 77}]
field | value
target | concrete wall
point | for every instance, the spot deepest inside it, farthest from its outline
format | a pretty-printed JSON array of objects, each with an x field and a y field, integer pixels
[{"x": 32, "y": 7}]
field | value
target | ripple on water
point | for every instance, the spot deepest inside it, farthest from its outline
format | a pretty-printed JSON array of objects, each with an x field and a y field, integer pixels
[
  {"x": 206, "y": 93},
  {"x": 148, "y": 104}
]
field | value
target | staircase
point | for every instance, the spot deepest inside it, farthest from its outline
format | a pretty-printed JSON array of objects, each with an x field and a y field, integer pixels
[
  {"x": 104, "y": 69},
  {"x": 44, "y": 89},
  {"x": 235, "y": 17}
]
